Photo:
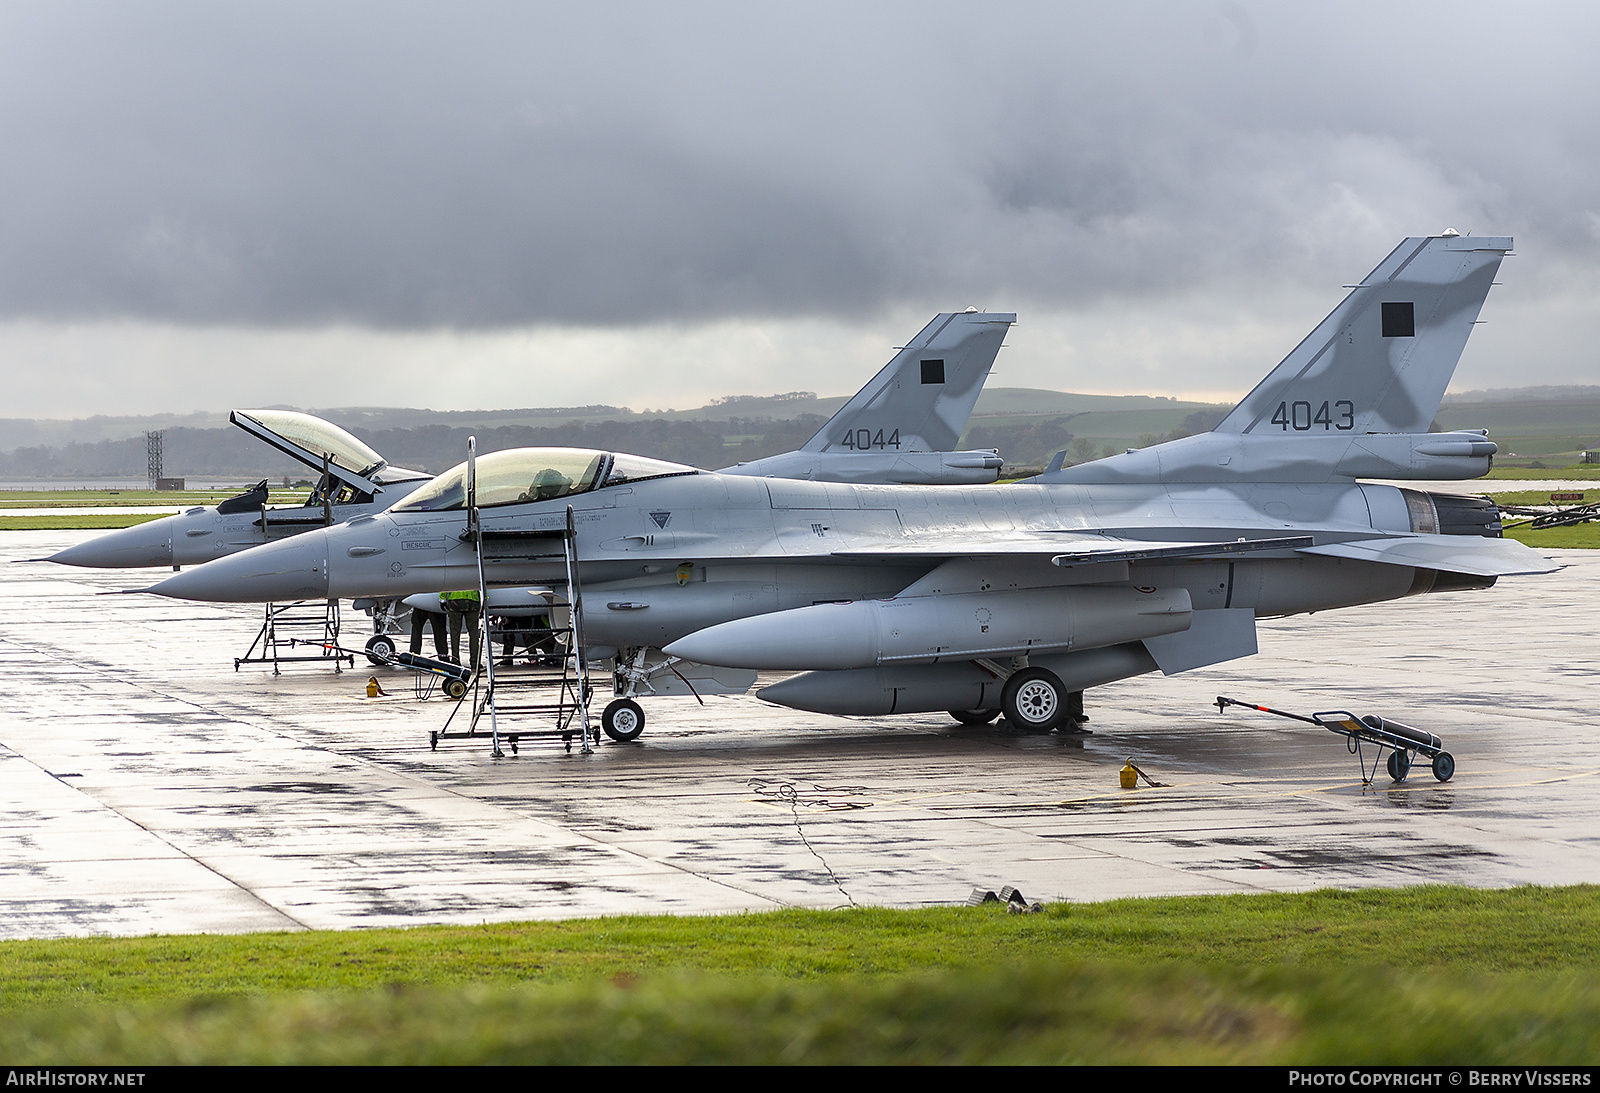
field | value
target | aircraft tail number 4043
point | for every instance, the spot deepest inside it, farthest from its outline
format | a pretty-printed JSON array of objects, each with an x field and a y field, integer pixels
[{"x": 893, "y": 598}]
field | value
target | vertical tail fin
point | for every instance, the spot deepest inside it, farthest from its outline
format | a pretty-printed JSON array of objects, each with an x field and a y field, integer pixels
[
  {"x": 922, "y": 398},
  {"x": 1381, "y": 361}
]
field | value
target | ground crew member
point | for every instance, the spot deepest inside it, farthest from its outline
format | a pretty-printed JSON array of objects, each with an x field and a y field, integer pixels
[
  {"x": 420, "y": 619},
  {"x": 463, "y": 609},
  {"x": 1073, "y": 722}
]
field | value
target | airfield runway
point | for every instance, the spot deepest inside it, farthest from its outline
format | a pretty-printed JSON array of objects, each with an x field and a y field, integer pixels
[{"x": 147, "y": 787}]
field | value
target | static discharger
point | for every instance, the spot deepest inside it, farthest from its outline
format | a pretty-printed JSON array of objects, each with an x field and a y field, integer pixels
[{"x": 1402, "y": 742}]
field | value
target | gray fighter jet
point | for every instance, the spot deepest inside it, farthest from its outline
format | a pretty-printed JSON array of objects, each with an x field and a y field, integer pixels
[
  {"x": 898, "y": 428},
  {"x": 989, "y": 598},
  {"x": 354, "y": 481}
]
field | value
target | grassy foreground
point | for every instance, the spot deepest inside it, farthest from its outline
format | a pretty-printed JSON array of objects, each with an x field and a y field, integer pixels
[
  {"x": 1031, "y": 1014},
  {"x": 1413, "y": 975}
]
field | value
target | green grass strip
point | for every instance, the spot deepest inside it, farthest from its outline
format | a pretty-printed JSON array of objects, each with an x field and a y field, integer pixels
[
  {"x": 1579, "y": 536},
  {"x": 1540, "y": 497},
  {"x": 1417, "y": 975},
  {"x": 1012, "y": 1013},
  {"x": 112, "y": 498},
  {"x": 1464, "y": 930},
  {"x": 85, "y": 521},
  {"x": 1576, "y": 471}
]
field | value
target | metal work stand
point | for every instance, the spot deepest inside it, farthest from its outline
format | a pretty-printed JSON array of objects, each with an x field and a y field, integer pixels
[{"x": 314, "y": 624}]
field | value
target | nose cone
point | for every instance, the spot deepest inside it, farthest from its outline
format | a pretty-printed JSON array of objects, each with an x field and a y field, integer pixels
[
  {"x": 146, "y": 544},
  {"x": 290, "y": 569}
]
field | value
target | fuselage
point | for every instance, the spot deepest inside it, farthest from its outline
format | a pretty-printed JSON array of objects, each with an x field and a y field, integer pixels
[
  {"x": 354, "y": 481},
  {"x": 664, "y": 557},
  {"x": 202, "y": 534}
]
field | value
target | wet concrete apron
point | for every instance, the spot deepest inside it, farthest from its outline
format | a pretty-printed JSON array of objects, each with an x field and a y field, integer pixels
[{"x": 145, "y": 786}]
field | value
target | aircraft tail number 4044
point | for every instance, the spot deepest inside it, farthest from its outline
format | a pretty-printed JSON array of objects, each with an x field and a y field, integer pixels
[{"x": 898, "y": 598}]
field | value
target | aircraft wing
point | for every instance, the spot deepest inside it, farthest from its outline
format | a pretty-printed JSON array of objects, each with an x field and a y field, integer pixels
[
  {"x": 1070, "y": 548},
  {"x": 1477, "y": 555},
  {"x": 1472, "y": 554}
]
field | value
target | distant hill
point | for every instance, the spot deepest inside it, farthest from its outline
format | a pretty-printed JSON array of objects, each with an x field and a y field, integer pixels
[
  {"x": 58, "y": 432},
  {"x": 1524, "y": 394},
  {"x": 1027, "y": 425},
  {"x": 1551, "y": 429},
  {"x": 996, "y": 401}
]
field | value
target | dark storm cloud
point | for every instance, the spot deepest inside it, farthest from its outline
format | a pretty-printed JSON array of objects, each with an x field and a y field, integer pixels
[{"x": 489, "y": 165}]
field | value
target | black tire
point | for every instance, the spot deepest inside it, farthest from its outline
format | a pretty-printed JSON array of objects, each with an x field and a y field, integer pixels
[
  {"x": 1399, "y": 766},
  {"x": 623, "y": 720},
  {"x": 455, "y": 688},
  {"x": 974, "y": 717},
  {"x": 1444, "y": 766},
  {"x": 380, "y": 649},
  {"x": 1034, "y": 700}
]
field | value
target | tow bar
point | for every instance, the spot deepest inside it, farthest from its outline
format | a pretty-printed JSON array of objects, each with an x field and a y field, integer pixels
[{"x": 1402, "y": 742}]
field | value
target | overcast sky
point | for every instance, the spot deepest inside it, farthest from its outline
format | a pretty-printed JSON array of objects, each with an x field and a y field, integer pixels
[{"x": 205, "y": 205}]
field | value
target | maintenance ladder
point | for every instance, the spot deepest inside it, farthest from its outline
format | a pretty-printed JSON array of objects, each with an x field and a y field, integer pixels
[{"x": 558, "y": 696}]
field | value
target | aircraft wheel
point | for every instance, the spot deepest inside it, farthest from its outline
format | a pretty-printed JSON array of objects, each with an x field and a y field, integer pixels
[
  {"x": 1034, "y": 700},
  {"x": 623, "y": 720},
  {"x": 974, "y": 717},
  {"x": 1444, "y": 766},
  {"x": 380, "y": 649},
  {"x": 1399, "y": 766},
  {"x": 455, "y": 688}
]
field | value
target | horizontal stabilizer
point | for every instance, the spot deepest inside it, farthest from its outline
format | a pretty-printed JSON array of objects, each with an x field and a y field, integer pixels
[{"x": 1477, "y": 555}]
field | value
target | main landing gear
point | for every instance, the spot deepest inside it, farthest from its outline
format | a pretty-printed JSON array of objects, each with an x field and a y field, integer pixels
[{"x": 1034, "y": 700}]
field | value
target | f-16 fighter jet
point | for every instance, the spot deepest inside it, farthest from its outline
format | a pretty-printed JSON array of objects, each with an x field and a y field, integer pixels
[
  {"x": 898, "y": 428},
  {"x": 355, "y": 481},
  {"x": 979, "y": 598}
]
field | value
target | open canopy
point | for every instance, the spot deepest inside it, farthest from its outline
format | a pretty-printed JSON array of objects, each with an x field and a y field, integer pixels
[
  {"x": 309, "y": 439},
  {"x": 522, "y": 476}
]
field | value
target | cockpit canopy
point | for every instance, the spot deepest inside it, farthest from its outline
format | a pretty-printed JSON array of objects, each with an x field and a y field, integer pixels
[
  {"x": 315, "y": 438},
  {"x": 522, "y": 476}
]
